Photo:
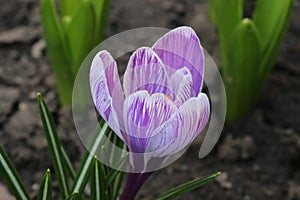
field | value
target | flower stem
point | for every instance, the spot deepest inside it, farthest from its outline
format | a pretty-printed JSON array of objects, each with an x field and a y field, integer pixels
[{"x": 134, "y": 183}]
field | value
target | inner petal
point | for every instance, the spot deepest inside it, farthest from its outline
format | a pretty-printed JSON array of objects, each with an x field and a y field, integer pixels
[
  {"x": 146, "y": 71},
  {"x": 143, "y": 114},
  {"x": 182, "y": 85}
]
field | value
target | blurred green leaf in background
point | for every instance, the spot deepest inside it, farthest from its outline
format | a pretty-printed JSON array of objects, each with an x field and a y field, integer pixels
[
  {"x": 71, "y": 30},
  {"x": 248, "y": 47}
]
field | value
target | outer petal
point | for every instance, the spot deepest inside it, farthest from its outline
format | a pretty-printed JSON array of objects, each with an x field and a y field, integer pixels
[
  {"x": 142, "y": 115},
  {"x": 189, "y": 121},
  {"x": 106, "y": 90},
  {"x": 146, "y": 71},
  {"x": 182, "y": 85},
  {"x": 181, "y": 47}
]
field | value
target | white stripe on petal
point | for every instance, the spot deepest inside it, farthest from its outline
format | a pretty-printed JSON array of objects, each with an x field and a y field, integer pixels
[
  {"x": 146, "y": 71},
  {"x": 143, "y": 114},
  {"x": 181, "y": 48},
  {"x": 106, "y": 90},
  {"x": 189, "y": 121}
]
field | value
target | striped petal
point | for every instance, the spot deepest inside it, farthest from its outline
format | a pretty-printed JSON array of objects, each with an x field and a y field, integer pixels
[
  {"x": 142, "y": 115},
  {"x": 182, "y": 127},
  {"x": 181, "y": 48},
  {"x": 106, "y": 90},
  {"x": 146, "y": 71},
  {"x": 182, "y": 85}
]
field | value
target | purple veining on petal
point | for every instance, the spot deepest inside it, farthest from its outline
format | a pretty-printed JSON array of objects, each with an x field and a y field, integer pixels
[
  {"x": 182, "y": 85},
  {"x": 143, "y": 114},
  {"x": 186, "y": 124},
  {"x": 195, "y": 115},
  {"x": 106, "y": 90},
  {"x": 162, "y": 112},
  {"x": 165, "y": 134},
  {"x": 181, "y": 48},
  {"x": 146, "y": 71}
]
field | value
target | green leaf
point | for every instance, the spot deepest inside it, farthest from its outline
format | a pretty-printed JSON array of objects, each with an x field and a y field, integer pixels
[
  {"x": 74, "y": 196},
  {"x": 117, "y": 185},
  {"x": 67, "y": 6},
  {"x": 85, "y": 168},
  {"x": 54, "y": 147},
  {"x": 186, "y": 187},
  {"x": 226, "y": 16},
  {"x": 244, "y": 54},
  {"x": 68, "y": 164},
  {"x": 98, "y": 185},
  {"x": 270, "y": 18},
  {"x": 113, "y": 173},
  {"x": 45, "y": 188},
  {"x": 101, "y": 8},
  {"x": 57, "y": 50},
  {"x": 80, "y": 34},
  {"x": 11, "y": 177},
  {"x": 230, "y": 13},
  {"x": 272, "y": 22},
  {"x": 66, "y": 21}
]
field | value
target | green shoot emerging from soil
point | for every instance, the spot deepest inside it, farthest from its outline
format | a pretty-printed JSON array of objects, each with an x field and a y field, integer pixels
[{"x": 248, "y": 47}]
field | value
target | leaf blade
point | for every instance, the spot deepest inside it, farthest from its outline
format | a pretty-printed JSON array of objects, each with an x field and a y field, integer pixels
[
  {"x": 54, "y": 147},
  {"x": 68, "y": 163},
  {"x": 97, "y": 182},
  {"x": 11, "y": 177},
  {"x": 244, "y": 55},
  {"x": 57, "y": 50},
  {"x": 181, "y": 189},
  {"x": 226, "y": 17},
  {"x": 45, "y": 192},
  {"x": 268, "y": 19},
  {"x": 84, "y": 171},
  {"x": 101, "y": 8},
  {"x": 67, "y": 6},
  {"x": 272, "y": 23},
  {"x": 79, "y": 43},
  {"x": 74, "y": 196}
]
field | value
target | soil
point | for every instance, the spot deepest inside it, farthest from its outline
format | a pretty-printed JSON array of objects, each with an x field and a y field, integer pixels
[{"x": 258, "y": 155}]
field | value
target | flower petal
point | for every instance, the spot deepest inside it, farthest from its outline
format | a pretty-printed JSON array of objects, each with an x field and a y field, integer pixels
[
  {"x": 182, "y": 127},
  {"x": 106, "y": 90},
  {"x": 181, "y": 48},
  {"x": 146, "y": 71},
  {"x": 182, "y": 85},
  {"x": 142, "y": 115}
]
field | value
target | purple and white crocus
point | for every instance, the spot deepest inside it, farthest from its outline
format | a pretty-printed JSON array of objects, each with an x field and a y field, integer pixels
[{"x": 160, "y": 107}]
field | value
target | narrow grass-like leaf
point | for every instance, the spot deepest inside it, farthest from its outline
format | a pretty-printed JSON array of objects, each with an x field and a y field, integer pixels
[
  {"x": 80, "y": 34},
  {"x": 74, "y": 196},
  {"x": 117, "y": 185},
  {"x": 98, "y": 186},
  {"x": 113, "y": 173},
  {"x": 84, "y": 171},
  {"x": 186, "y": 187},
  {"x": 45, "y": 192},
  {"x": 57, "y": 50},
  {"x": 54, "y": 147},
  {"x": 11, "y": 177},
  {"x": 244, "y": 55},
  {"x": 68, "y": 163}
]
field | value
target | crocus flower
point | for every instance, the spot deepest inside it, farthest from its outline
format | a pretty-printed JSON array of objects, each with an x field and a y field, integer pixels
[{"x": 161, "y": 108}]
